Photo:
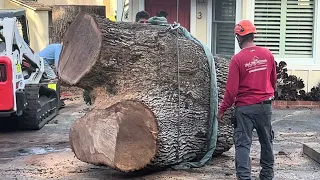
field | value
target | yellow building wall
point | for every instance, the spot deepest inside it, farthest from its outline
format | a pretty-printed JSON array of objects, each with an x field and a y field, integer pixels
[
  {"x": 40, "y": 29},
  {"x": 72, "y": 2},
  {"x": 38, "y": 26},
  {"x": 111, "y": 5},
  {"x": 39, "y": 20},
  {"x": 314, "y": 78},
  {"x": 2, "y": 4},
  {"x": 201, "y": 30}
]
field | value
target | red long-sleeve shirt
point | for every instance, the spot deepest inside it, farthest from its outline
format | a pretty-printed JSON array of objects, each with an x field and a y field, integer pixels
[{"x": 252, "y": 78}]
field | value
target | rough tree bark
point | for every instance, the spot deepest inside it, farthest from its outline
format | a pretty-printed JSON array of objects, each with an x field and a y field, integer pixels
[
  {"x": 136, "y": 119},
  {"x": 225, "y": 135},
  {"x": 63, "y": 15}
]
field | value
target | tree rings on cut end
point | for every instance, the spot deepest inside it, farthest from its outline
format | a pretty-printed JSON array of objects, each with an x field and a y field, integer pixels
[
  {"x": 81, "y": 49},
  {"x": 123, "y": 136}
]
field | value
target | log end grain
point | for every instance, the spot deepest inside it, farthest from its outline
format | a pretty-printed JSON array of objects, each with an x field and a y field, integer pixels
[
  {"x": 81, "y": 49},
  {"x": 123, "y": 136}
]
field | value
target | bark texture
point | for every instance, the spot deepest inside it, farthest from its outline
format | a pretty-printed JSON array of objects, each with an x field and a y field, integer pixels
[
  {"x": 225, "y": 135},
  {"x": 121, "y": 62},
  {"x": 63, "y": 16}
]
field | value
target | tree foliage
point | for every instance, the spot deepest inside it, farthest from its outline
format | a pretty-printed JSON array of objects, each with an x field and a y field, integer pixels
[
  {"x": 314, "y": 94},
  {"x": 290, "y": 87}
]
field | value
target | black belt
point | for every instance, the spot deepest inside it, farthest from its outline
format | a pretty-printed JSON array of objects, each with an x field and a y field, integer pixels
[{"x": 265, "y": 102}]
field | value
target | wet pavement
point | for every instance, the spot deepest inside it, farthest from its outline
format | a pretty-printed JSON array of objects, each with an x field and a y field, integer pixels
[{"x": 46, "y": 154}]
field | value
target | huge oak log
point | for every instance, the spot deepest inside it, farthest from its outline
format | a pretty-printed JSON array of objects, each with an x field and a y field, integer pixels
[{"x": 132, "y": 73}]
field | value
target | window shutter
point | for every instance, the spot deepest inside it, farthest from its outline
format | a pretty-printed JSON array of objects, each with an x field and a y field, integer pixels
[
  {"x": 224, "y": 21},
  {"x": 299, "y": 28},
  {"x": 268, "y": 22},
  {"x": 285, "y": 27},
  {"x": 225, "y": 39}
]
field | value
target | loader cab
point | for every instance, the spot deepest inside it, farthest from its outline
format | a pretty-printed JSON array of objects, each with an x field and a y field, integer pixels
[{"x": 20, "y": 14}]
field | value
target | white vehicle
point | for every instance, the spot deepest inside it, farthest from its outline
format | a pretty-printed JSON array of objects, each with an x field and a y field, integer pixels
[{"x": 25, "y": 92}]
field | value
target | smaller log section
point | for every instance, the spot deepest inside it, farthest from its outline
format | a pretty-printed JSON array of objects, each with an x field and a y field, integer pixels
[
  {"x": 63, "y": 16},
  {"x": 111, "y": 138},
  {"x": 131, "y": 71}
]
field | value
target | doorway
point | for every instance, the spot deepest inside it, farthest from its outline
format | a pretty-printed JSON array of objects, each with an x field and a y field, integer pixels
[{"x": 170, "y": 6}]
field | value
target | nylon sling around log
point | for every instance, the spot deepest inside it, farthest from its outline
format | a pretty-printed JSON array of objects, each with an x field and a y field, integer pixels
[
  {"x": 213, "y": 125},
  {"x": 178, "y": 74}
]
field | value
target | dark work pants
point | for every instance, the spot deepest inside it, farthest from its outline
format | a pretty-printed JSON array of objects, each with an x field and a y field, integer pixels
[{"x": 256, "y": 116}]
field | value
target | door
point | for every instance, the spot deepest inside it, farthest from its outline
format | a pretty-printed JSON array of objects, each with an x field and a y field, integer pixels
[{"x": 170, "y": 6}]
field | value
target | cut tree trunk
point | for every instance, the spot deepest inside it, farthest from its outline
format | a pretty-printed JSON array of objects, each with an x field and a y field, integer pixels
[
  {"x": 122, "y": 136},
  {"x": 131, "y": 71},
  {"x": 63, "y": 16}
]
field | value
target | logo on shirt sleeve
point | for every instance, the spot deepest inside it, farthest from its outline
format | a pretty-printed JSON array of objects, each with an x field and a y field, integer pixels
[{"x": 256, "y": 65}]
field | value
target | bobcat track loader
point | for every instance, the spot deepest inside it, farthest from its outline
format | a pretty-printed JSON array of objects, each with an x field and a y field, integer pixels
[{"x": 25, "y": 93}]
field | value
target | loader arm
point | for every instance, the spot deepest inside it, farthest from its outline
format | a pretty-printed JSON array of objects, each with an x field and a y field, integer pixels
[
  {"x": 25, "y": 93},
  {"x": 13, "y": 37}
]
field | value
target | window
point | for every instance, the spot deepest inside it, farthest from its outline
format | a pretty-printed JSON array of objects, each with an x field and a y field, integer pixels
[
  {"x": 224, "y": 16},
  {"x": 3, "y": 73},
  {"x": 286, "y": 27},
  {"x": 2, "y": 40}
]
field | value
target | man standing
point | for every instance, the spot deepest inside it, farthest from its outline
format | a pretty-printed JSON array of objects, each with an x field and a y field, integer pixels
[
  {"x": 251, "y": 84},
  {"x": 50, "y": 55}
]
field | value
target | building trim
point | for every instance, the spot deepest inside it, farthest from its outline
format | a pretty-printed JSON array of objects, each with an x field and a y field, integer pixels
[
  {"x": 238, "y": 18},
  {"x": 251, "y": 14},
  {"x": 131, "y": 16},
  {"x": 316, "y": 47},
  {"x": 35, "y": 6},
  {"x": 119, "y": 9},
  {"x": 193, "y": 17},
  {"x": 141, "y": 5},
  {"x": 209, "y": 24}
]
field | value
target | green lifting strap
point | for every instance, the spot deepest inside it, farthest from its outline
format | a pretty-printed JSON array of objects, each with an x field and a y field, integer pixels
[{"x": 213, "y": 125}]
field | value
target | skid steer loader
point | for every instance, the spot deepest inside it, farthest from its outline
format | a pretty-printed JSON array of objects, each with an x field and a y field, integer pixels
[{"x": 26, "y": 95}]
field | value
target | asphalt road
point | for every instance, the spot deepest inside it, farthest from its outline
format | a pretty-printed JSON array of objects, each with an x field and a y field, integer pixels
[{"x": 46, "y": 154}]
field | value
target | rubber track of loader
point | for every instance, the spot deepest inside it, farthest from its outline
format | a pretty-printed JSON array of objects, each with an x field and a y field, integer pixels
[{"x": 35, "y": 114}]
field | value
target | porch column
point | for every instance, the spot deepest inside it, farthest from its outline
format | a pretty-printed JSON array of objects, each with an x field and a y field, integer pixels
[
  {"x": 141, "y": 5},
  {"x": 239, "y": 9},
  {"x": 248, "y": 7},
  {"x": 193, "y": 17},
  {"x": 120, "y": 7},
  {"x": 135, "y": 6}
]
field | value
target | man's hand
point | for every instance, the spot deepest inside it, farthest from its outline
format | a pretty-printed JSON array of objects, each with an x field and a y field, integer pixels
[{"x": 219, "y": 118}]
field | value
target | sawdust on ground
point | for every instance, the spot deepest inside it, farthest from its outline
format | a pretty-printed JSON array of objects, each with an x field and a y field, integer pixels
[{"x": 59, "y": 162}]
